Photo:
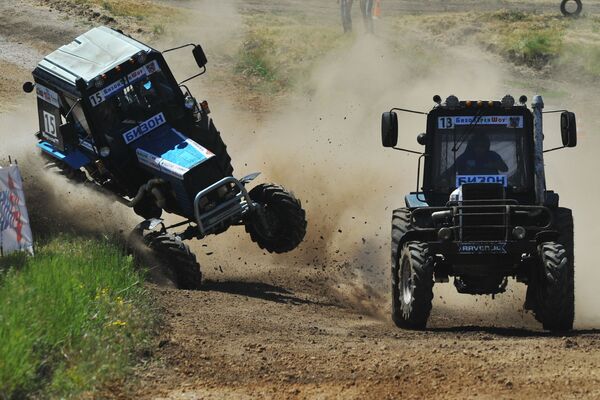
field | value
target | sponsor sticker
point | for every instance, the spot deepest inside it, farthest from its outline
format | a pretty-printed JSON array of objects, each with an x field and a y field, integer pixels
[
  {"x": 100, "y": 96},
  {"x": 482, "y": 248},
  {"x": 48, "y": 95},
  {"x": 509, "y": 121},
  {"x": 144, "y": 71},
  {"x": 160, "y": 164},
  {"x": 143, "y": 128},
  {"x": 462, "y": 179}
]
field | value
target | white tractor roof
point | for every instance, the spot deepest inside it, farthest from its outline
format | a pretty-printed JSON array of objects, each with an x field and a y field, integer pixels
[{"x": 91, "y": 54}]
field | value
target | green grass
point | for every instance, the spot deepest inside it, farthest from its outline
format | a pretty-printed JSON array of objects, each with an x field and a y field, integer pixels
[
  {"x": 566, "y": 47},
  {"x": 149, "y": 15},
  {"x": 522, "y": 38},
  {"x": 72, "y": 318},
  {"x": 279, "y": 51},
  {"x": 531, "y": 39}
]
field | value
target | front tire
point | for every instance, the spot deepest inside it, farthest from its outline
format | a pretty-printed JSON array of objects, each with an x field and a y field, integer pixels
[
  {"x": 555, "y": 288},
  {"x": 169, "y": 256},
  {"x": 412, "y": 286},
  {"x": 282, "y": 225}
]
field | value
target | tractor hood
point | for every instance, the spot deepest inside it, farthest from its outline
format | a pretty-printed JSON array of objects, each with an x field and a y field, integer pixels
[{"x": 164, "y": 149}]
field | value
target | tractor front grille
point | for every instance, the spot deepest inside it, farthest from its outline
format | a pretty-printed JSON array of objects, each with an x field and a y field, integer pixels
[
  {"x": 479, "y": 222},
  {"x": 485, "y": 220}
]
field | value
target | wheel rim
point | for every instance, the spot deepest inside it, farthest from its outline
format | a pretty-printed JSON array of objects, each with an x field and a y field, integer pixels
[{"x": 406, "y": 286}]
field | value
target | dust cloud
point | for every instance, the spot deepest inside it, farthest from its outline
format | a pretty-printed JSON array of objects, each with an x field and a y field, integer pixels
[
  {"x": 323, "y": 142},
  {"x": 55, "y": 205}
]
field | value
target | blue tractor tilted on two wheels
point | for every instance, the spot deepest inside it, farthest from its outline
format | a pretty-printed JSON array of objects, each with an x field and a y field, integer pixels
[
  {"x": 111, "y": 113},
  {"x": 482, "y": 213}
]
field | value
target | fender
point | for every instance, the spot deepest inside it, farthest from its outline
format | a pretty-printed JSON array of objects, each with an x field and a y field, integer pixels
[
  {"x": 420, "y": 235},
  {"x": 546, "y": 236},
  {"x": 249, "y": 178}
]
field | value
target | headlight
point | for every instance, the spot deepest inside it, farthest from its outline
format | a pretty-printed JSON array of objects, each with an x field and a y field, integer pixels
[
  {"x": 190, "y": 102},
  {"x": 141, "y": 57},
  {"x": 98, "y": 82},
  {"x": 519, "y": 232},
  {"x": 508, "y": 101},
  {"x": 104, "y": 152},
  {"x": 445, "y": 234}
]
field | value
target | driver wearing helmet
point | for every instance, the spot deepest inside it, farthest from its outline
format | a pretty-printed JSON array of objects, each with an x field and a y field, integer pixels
[{"x": 478, "y": 159}]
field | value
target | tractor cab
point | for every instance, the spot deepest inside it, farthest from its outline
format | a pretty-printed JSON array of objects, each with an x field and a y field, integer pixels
[
  {"x": 101, "y": 92},
  {"x": 479, "y": 142}
]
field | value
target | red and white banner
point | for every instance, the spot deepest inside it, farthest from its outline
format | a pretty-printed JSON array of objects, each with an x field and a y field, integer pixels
[{"x": 15, "y": 232}]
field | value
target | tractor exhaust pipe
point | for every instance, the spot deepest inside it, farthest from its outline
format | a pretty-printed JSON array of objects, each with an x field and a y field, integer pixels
[
  {"x": 538, "y": 139},
  {"x": 152, "y": 187}
]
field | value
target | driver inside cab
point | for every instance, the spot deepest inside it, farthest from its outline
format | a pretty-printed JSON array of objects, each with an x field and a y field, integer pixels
[{"x": 478, "y": 159}]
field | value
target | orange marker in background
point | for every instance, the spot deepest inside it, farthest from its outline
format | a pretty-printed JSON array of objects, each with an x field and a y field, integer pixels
[{"x": 377, "y": 9}]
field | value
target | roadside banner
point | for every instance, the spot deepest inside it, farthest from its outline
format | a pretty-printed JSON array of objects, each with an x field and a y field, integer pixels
[{"x": 15, "y": 232}]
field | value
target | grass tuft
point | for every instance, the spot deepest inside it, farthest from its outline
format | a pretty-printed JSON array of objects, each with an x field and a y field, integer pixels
[
  {"x": 71, "y": 318},
  {"x": 278, "y": 51}
]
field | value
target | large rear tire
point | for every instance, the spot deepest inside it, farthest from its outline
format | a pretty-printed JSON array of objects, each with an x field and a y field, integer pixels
[
  {"x": 563, "y": 221},
  {"x": 555, "y": 288},
  {"x": 401, "y": 219},
  {"x": 282, "y": 225},
  {"x": 412, "y": 281}
]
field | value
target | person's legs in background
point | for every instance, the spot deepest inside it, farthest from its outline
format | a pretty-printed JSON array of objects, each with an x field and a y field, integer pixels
[
  {"x": 366, "y": 7},
  {"x": 346, "y": 7}
]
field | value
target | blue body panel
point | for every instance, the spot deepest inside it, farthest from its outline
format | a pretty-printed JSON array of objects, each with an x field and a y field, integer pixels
[
  {"x": 74, "y": 158},
  {"x": 169, "y": 155},
  {"x": 412, "y": 201},
  {"x": 169, "y": 145}
]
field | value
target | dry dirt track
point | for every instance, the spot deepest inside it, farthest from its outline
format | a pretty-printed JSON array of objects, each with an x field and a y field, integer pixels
[
  {"x": 301, "y": 327},
  {"x": 253, "y": 340}
]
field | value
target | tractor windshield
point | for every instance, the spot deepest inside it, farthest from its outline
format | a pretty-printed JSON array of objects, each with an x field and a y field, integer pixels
[
  {"x": 133, "y": 100},
  {"x": 480, "y": 149}
]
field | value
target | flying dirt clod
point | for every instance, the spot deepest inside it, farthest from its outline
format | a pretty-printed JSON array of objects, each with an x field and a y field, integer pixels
[
  {"x": 112, "y": 116},
  {"x": 483, "y": 213}
]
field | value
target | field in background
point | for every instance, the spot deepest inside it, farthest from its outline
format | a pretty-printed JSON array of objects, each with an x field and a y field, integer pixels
[
  {"x": 72, "y": 318},
  {"x": 278, "y": 52},
  {"x": 546, "y": 41}
]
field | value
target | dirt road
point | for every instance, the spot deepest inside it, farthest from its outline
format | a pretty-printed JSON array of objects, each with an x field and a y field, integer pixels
[{"x": 315, "y": 323}]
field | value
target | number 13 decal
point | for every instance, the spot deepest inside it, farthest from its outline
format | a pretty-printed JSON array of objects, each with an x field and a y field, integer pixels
[
  {"x": 445, "y": 123},
  {"x": 49, "y": 124}
]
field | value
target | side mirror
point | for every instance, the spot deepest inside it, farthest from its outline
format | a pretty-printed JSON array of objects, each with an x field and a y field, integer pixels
[
  {"x": 28, "y": 87},
  {"x": 199, "y": 56},
  {"x": 389, "y": 129},
  {"x": 568, "y": 129},
  {"x": 422, "y": 139}
]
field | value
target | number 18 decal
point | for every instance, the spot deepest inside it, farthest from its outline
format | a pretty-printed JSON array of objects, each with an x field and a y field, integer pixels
[{"x": 50, "y": 124}]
